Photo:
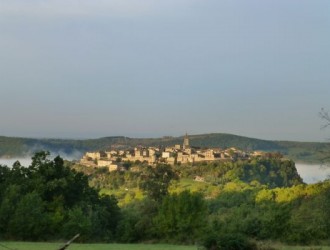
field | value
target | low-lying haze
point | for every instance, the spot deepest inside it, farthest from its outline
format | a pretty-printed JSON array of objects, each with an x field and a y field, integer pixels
[
  {"x": 26, "y": 161},
  {"x": 313, "y": 173}
]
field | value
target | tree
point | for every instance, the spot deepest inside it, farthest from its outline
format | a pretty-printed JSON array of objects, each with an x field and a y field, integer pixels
[
  {"x": 324, "y": 115},
  {"x": 137, "y": 223},
  {"x": 8, "y": 203},
  {"x": 30, "y": 220},
  {"x": 182, "y": 217},
  {"x": 48, "y": 200},
  {"x": 77, "y": 222},
  {"x": 105, "y": 217},
  {"x": 156, "y": 180}
]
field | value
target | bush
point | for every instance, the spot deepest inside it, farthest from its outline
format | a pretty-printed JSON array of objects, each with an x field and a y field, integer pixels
[{"x": 228, "y": 242}]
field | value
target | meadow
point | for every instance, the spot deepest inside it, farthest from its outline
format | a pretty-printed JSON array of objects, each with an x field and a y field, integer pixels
[{"x": 55, "y": 246}]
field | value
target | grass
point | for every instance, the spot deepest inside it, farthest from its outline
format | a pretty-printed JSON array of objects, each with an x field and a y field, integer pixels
[
  {"x": 303, "y": 248},
  {"x": 123, "y": 195},
  {"x": 281, "y": 246},
  {"x": 55, "y": 246}
]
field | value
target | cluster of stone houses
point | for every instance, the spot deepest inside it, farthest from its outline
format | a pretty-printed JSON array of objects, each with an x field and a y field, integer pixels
[{"x": 178, "y": 154}]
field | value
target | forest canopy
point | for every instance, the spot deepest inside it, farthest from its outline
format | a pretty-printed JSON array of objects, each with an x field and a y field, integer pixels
[
  {"x": 48, "y": 200},
  {"x": 260, "y": 199}
]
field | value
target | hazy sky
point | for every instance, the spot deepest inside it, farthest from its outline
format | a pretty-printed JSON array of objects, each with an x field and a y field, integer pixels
[{"x": 145, "y": 68}]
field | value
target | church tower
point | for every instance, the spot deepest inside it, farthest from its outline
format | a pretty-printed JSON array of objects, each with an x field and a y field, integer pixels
[{"x": 186, "y": 142}]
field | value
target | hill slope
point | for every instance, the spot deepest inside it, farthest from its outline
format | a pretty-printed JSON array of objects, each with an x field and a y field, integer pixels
[{"x": 11, "y": 147}]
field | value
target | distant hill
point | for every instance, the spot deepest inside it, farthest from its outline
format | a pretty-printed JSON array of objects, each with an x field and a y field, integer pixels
[{"x": 11, "y": 147}]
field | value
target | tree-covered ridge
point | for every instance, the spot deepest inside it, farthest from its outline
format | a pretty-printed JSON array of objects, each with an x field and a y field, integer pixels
[
  {"x": 206, "y": 177},
  {"x": 261, "y": 199},
  {"x": 301, "y": 151}
]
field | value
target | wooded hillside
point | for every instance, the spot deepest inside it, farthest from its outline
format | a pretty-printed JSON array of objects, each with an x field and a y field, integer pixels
[{"x": 11, "y": 147}]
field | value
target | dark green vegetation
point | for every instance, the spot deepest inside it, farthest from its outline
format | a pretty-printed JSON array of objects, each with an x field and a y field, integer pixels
[
  {"x": 234, "y": 202},
  {"x": 48, "y": 201},
  {"x": 302, "y": 151},
  {"x": 232, "y": 206}
]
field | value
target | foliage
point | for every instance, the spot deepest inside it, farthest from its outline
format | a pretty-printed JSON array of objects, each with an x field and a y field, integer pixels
[
  {"x": 216, "y": 177},
  {"x": 274, "y": 172},
  {"x": 138, "y": 221},
  {"x": 157, "y": 180},
  {"x": 261, "y": 198},
  {"x": 49, "y": 201},
  {"x": 298, "y": 214},
  {"x": 181, "y": 217},
  {"x": 228, "y": 242}
]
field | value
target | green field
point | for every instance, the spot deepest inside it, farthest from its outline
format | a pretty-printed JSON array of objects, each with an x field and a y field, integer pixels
[
  {"x": 303, "y": 248},
  {"x": 54, "y": 246}
]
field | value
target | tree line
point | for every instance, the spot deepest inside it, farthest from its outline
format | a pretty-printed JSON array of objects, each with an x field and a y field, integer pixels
[{"x": 259, "y": 199}]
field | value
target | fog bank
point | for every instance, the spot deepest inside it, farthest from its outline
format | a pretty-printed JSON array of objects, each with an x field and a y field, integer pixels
[
  {"x": 26, "y": 161},
  {"x": 312, "y": 173},
  {"x": 9, "y": 162}
]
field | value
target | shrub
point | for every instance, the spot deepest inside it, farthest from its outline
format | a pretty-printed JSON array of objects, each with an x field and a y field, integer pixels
[{"x": 228, "y": 242}]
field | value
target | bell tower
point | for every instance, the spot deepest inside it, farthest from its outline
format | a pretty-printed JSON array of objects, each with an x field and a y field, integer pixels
[{"x": 186, "y": 142}]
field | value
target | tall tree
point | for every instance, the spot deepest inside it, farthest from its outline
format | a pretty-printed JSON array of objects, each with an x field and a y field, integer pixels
[
  {"x": 325, "y": 117},
  {"x": 156, "y": 180},
  {"x": 182, "y": 217}
]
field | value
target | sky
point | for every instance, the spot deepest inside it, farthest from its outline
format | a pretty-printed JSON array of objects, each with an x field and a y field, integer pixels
[{"x": 152, "y": 68}]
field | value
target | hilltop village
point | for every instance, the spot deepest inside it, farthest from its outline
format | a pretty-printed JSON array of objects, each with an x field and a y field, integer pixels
[{"x": 177, "y": 154}]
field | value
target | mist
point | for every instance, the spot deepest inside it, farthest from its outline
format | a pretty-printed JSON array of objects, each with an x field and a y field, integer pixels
[
  {"x": 26, "y": 161},
  {"x": 312, "y": 173},
  {"x": 9, "y": 162}
]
